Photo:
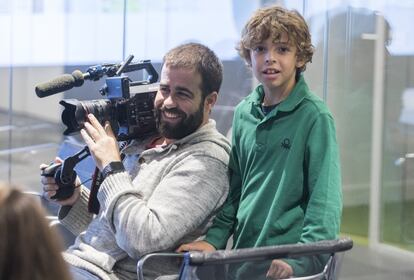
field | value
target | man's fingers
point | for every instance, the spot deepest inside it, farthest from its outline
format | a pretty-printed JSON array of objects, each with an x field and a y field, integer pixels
[
  {"x": 108, "y": 130},
  {"x": 45, "y": 180},
  {"x": 50, "y": 194},
  {"x": 88, "y": 140},
  {"x": 96, "y": 131},
  {"x": 50, "y": 188},
  {"x": 96, "y": 124},
  {"x": 43, "y": 166},
  {"x": 92, "y": 131},
  {"x": 58, "y": 160}
]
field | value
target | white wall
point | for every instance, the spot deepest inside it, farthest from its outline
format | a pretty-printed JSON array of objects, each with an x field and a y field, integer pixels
[{"x": 24, "y": 98}]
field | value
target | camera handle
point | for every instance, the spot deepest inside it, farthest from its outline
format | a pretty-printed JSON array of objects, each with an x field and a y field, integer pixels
[
  {"x": 64, "y": 174},
  {"x": 96, "y": 72},
  {"x": 124, "y": 64},
  {"x": 69, "y": 164}
]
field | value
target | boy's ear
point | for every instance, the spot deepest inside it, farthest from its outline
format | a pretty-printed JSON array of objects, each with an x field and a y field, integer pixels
[{"x": 300, "y": 62}]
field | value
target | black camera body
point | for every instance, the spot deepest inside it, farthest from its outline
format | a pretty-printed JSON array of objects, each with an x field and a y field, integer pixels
[
  {"x": 129, "y": 108},
  {"x": 129, "y": 105}
]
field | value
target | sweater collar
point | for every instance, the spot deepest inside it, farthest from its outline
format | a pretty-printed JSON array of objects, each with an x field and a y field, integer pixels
[{"x": 207, "y": 132}]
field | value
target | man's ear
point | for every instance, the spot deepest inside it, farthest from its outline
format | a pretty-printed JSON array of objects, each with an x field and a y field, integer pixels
[{"x": 210, "y": 100}]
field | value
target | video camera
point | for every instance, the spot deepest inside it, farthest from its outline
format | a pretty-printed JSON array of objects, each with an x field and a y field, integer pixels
[
  {"x": 129, "y": 105},
  {"x": 129, "y": 108}
]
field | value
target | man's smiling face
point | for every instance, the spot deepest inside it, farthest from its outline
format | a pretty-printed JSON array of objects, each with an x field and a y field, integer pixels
[{"x": 179, "y": 103}]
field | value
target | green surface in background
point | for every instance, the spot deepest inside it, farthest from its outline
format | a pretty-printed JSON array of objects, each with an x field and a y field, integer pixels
[{"x": 397, "y": 224}]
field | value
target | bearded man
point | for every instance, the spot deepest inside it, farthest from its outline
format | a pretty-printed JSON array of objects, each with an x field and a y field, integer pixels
[{"x": 166, "y": 190}]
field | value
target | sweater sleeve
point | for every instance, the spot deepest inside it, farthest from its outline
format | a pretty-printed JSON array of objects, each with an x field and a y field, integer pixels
[
  {"x": 324, "y": 205},
  {"x": 76, "y": 218},
  {"x": 225, "y": 221},
  {"x": 184, "y": 199}
]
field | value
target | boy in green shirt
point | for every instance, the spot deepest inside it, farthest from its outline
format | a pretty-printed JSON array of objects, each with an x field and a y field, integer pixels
[{"x": 285, "y": 174}]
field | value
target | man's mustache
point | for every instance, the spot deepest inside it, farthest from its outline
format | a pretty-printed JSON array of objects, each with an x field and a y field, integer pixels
[{"x": 175, "y": 111}]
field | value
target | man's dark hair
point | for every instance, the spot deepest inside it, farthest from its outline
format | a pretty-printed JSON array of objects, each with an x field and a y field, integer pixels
[{"x": 201, "y": 58}]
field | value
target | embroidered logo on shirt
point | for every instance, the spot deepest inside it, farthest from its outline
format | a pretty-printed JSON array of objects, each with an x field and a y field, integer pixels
[{"x": 286, "y": 144}]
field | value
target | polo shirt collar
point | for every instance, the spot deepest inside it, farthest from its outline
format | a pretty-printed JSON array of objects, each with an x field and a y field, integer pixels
[{"x": 298, "y": 93}]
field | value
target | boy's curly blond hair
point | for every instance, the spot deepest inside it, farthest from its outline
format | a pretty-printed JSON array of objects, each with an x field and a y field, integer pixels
[{"x": 272, "y": 22}]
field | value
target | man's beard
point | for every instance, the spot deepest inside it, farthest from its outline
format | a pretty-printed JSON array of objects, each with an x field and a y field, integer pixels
[{"x": 187, "y": 125}]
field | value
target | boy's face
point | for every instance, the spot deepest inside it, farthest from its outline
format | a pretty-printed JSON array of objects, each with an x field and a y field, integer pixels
[{"x": 274, "y": 65}]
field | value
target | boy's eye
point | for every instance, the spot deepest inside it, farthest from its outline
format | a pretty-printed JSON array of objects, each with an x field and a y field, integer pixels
[
  {"x": 258, "y": 49},
  {"x": 283, "y": 49}
]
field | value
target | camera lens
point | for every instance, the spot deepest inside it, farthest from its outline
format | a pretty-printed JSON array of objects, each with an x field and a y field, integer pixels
[{"x": 75, "y": 112}]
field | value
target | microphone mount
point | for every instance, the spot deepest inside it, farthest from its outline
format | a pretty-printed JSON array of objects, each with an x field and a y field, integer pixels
[{"x": 68, "y": 81}]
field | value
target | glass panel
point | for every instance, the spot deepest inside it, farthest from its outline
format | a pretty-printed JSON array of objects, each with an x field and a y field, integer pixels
[
  {"x": 42, "y": 40},
  {"x": 338, "y": 73},
  {"x": 155, "y": 26},
  {"x": 5, "y": 123},
  {"x": 348, "y": 52},
  {"x": 397, "y": 213}
]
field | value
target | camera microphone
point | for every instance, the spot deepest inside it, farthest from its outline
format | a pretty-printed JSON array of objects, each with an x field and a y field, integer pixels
[{"x": 59, "y": 84}]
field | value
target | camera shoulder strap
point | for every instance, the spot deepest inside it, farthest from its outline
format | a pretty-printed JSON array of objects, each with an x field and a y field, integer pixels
[{"x": 97, "y": 179}]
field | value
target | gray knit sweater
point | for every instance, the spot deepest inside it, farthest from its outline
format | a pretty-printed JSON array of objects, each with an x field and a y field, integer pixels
[{"x": 168, "y": 196}]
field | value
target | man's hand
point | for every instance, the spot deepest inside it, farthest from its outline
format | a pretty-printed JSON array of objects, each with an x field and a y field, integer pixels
[
  {"x": 50, "y": 187},
  {"x": 196, "y": 246},
  {"x": 101, "y": 141},
  {"x": 279, "y": 270}
]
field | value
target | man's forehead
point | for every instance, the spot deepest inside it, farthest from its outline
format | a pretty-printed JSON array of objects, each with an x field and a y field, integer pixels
[
  {"x": 172, "y": 69},
  {"x": 179, "y": 71},
  {"x": 175, "y": 65},
  {"x": 180, "y": 77}
]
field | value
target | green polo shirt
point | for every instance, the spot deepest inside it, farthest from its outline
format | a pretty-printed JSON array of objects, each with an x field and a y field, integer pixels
[{"x": 286, "y": 182}]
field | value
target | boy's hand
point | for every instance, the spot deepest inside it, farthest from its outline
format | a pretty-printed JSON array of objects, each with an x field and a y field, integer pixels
[
  {"x": 279, "y": 270},
  {"x": 196, "y": 246}
]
